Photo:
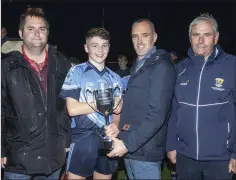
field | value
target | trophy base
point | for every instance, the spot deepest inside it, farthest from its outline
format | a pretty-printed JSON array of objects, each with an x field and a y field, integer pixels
[{"x": 105, "y": 146}]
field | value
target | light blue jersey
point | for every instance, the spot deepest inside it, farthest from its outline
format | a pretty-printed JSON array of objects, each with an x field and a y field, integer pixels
[
  {"x": 125, "y": 81},
  {"x": 80, "y": 81}
]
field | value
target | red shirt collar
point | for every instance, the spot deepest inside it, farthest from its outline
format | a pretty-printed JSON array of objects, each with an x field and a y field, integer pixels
[{"x": 36, "y": 66}]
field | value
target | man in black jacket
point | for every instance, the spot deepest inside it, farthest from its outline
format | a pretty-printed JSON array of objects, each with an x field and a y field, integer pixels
[
  {"x": 146, "y": 106},
  {"x": 34, "y": 117}
]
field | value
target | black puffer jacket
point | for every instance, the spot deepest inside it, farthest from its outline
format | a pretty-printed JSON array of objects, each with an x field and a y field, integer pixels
[{"x": 34, "y": 125}]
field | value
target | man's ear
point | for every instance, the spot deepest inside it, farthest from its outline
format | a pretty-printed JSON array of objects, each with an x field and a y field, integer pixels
[
  {"x": 217, "y": 37},
  {"x": 155, "y": 37},
  {"x": 20, "y": 33},
  {"x": 86, "y": 48}
]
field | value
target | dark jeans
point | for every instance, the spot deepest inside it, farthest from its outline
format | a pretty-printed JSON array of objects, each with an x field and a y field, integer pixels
[
  {"x": 16, "y": 176},
  {"x": 188, "y": 168}
]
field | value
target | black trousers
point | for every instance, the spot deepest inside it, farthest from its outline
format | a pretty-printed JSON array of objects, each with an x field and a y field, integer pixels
[{"x": 188, "y": 168}]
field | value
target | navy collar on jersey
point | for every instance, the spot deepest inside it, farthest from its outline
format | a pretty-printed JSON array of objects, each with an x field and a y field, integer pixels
[{"x": 91, "y": 66}]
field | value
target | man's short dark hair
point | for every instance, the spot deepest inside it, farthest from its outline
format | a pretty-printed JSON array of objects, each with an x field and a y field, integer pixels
[
  {"x": 98, "y": 32},
  {"x": 122, "y": 57},
  {"x": 32, "y": 12},
  {"x": 145, "y": 20}
]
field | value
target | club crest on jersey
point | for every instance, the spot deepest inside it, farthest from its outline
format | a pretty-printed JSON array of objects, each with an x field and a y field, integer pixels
[
  {"x": 102, "y": 85},
  {"x": 89, "y": 84},
  {"x": 218, "y": 84}
]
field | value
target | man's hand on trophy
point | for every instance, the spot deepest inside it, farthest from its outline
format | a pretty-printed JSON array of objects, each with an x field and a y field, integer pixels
[
  {"x": 111, "y": 130},
  {"x": 117, "y": 105},
  {"x": 119, "y": 148}
]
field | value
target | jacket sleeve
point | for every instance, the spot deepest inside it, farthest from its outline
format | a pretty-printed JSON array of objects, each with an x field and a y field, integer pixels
[
  {"x": 69, "y": 133},
  {"x": 3, "y": 137},
  {"x": 68, "y": 138},
  {"x": 162, "y": 83},
  {"x": 233, "y": 155},
  {"x": 3, "y": 110},
  {"x": 171, "y": 131}
]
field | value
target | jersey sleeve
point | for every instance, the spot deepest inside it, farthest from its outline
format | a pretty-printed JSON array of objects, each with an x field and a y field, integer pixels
[
  {"x": 72, "y": 84},
  {"x": 124, "y": 81},
  {"x": 118, "y": 83}
]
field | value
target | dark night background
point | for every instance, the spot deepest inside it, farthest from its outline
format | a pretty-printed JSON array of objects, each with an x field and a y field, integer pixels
[{"x": 70, "y": 20}]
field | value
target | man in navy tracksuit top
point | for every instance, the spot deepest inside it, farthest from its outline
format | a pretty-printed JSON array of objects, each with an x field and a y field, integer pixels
[{"x": 202, "y": 126}]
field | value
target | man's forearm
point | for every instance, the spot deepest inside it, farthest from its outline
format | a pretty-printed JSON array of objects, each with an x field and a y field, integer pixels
[
  {"x": 116, "y": 119},
  {"x": 76, "y": 108}
]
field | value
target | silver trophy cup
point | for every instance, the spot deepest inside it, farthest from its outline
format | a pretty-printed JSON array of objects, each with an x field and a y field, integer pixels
[{"x": 104, "y": 102}]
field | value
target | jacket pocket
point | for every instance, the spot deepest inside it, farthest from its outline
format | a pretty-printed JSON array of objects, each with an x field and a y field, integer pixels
[
  {"x": 22, "y": 158},
  {"x": 214, "y": 130},
  {"x": 186, "y": 124},
  {"x": 126, "y": 129}
]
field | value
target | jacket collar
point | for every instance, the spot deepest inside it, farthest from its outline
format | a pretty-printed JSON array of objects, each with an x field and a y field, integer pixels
[
  {"x": 140, "y": 63},
  {"x": 199, "y": 60},
  {"x": 19, "y": 60},
  {"x": 149, "y": 62},
  {"x": 148, "y": 55}
]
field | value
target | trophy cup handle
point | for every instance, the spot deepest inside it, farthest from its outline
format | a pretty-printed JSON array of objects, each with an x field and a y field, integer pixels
[
  {"x": 86, "y": 99},
  {"x": 120, "y": 96}
]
